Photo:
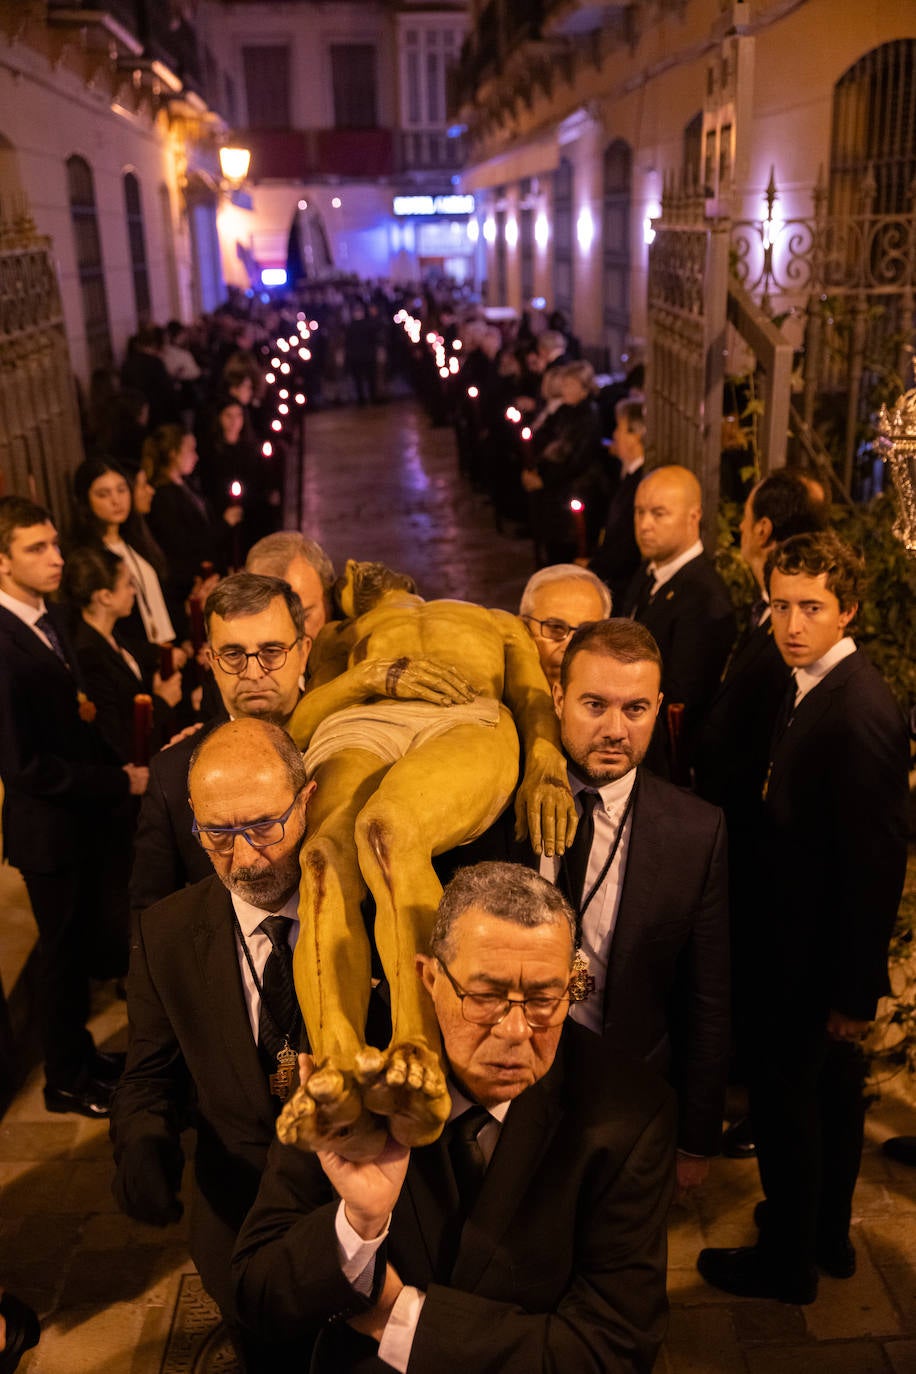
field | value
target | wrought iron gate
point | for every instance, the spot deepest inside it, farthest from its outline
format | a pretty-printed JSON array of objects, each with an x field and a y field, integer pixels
[{"x": 40, "y": 441}]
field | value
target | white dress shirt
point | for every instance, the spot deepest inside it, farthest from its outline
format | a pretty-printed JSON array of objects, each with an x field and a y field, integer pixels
[
  {"x": 806, "y": 679},
  {"x": 357, "y": 1256},
  {"x": 259, "y": 947},
  {"x": 29, "y": 615},
  {"x": 666, "y": 571},
  {"x": 600, "y": 916}
]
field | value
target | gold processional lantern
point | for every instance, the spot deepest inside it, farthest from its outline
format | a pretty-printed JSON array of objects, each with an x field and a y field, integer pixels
[{"x": 897, "y": 442}]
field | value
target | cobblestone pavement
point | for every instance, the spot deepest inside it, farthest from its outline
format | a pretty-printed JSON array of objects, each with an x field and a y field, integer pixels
[{"x": 117, "y": 1297}]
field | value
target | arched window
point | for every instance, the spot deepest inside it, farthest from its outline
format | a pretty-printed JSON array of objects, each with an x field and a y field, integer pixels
[
  {"x": 168, "y": 244},
  {"x": 693, "y": 150},
  {"x": 136, "y": 237},
  {"x": 89, "y": 266},
  {"x": 618, "y": 162},
  {"x": 874, "y": 127},
  {"x": 563, "y": 238}
]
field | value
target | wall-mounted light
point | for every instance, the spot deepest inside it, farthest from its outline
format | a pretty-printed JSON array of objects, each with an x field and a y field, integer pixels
[
  {"x": 234, "y": 163},
  {"x": 335, "y": 203},
  {"x": 541, "y": 230},
  {"x": 585, "y": 229},
  {"x": 653, "y": 211},
  {"x": 489, "y": 230},
  {"x": 512, "y": 231},
  {"x": 473, "y": 229}
]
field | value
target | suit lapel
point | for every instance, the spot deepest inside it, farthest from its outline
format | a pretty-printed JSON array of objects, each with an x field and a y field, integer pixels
[
  {"x": 528, "y": 1129},
  {"x": 214, "y": 943},
  {"x": 430, "y": 1188},
  {"x": 31, "y": 644}
]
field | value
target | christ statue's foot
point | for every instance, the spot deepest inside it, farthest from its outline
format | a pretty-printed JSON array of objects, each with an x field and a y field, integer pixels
[
  {"x": 327, "y": 1113},
  {"x": 405, "y": 1084}
]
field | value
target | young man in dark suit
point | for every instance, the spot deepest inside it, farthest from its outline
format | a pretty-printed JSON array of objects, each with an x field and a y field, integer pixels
[
  {"x": 830, "y": 872},
  {"x": 62, "y": 784},
  {"x": 206, "y": 1013},
  {"x": 531, "y": 1234},
  {"x": 684, "y": 604}
]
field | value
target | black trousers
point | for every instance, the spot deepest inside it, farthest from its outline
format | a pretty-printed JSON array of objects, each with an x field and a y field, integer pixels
[
  {"x": 808, "y": 1116},
  {"x": 63, "y": 906}
]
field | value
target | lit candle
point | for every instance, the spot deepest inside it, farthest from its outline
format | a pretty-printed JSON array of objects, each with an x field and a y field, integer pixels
[
  {"x": 143, "y": 724},
  {"x": 578, "y": 514}
]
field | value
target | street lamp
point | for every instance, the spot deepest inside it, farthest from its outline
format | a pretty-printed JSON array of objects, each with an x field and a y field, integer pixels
[{"x": 234, "y": 163}]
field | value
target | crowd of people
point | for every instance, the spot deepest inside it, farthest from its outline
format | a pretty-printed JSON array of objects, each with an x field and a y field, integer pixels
[{"x": 591, "y": 996}]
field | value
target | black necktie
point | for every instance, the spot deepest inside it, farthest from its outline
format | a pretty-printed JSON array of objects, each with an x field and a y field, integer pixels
[
  {"x": 786, "y": 712},
  {"x": 278, "y": 1017},
  {"x": 46, "y": 625},
  {"x": 646, "y": 593},
  {"x": 468, "y": 1163},
  {"x": 575, "y": 861}
]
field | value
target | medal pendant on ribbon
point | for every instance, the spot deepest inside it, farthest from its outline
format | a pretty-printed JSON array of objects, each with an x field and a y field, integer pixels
[{"x": 282, "y": 1081}]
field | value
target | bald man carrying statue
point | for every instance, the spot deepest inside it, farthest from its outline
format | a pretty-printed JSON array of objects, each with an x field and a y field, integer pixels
[{"x": 426, "y": 765}]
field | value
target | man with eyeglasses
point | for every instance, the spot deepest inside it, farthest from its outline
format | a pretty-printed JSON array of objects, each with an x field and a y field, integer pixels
[
  {"x": 258, "y": 648},
  {"x": 531, "y": 1235},
  {"x": 214, "y": 1022},
  {"x": 555, "y": 602}
]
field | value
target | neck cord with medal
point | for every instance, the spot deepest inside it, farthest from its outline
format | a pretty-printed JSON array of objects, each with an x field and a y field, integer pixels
[
  {"x": 281, "y": 1081},
  {"x": 583, "y": 982}
]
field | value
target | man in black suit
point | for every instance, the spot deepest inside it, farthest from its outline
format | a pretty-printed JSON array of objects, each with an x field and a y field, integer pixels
[
  {"x": 62, "y": 786},
  {"x": 733, "y": 745},
  {"x": 683, "y": 602},
  {"x": 209, "y": 999},
  {"x": 246, "y": 615},
  {"x": 830, "y": 873},
  {"x": 647, "y": 875},
  {"x": 617, "y": 557},
  {"x": 532, "y": 1233}
]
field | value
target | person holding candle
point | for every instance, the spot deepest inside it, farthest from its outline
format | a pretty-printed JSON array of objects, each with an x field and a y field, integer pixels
[
  {"x": 568, "y": 469},
  {"x": 180, "y": 518},
  {"x": 109, "y": 515},
  {"x": 229, "y": 454},
  {"x": 63, "y": 783}
]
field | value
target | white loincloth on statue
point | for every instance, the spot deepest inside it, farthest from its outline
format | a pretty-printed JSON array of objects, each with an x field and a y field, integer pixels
[{"x": 389, "y": 729}]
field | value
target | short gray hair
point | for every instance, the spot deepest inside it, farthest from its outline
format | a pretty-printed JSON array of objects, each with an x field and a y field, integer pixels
[
  {"x": 509, "y": 892},
  {"x": 560, "y": 572},
  {"x": 275, "y": 552}
]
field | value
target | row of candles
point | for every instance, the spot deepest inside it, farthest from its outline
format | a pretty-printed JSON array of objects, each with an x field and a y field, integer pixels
[{"x": 449, "y": 368}]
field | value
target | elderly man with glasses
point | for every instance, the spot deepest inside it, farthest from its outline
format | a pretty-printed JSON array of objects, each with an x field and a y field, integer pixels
[
  {"x": 555, "y": 602},
  {"x": 214, "y": 1022},
  {"x": 531, "y": 1235}
]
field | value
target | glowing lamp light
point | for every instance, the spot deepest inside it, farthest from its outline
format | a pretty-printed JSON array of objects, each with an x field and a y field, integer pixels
[
  {"x": 267, "y": 449},
  {"x": 336, "y": 203},
  {"x": 430, "y": 338},
  {"x": 283, "y": 410},
  {"x": 235, "y": 491},
  {"x": 276, "y": 426},
  {"x": 284, "y": 368},
  {"x": 473, "y": 230},
  {"x": 457, "y": 345},
  {"x": 270, "y": 379},
  {"x": 512, "y": 232},
  {"x": 443, "y": 373},
  {"x": 526, "y": 432},
  {"x": 305, "y": 355},
  {"x": 275, "y": 362},
  {"x": 513, "y": 414},
  {"x": 313, "y": 324},
  {"x": 541, "y": 231},
  {"x": 303, "y": 205},
  {"x": 284, "y": 395},
  {"x": 576, "y": 505},
  {"x": 234, "y": 163},
  {"x": 273, "y": 276},
  {"x": 653, "y": 211},
  {"x": 585, "y": 229},
  {"x": 293, "y": 340},
  {"x": 453, "y": 365},
  {"x": 299, "y": 398},
  {"x": 473, "y": 392},
  {"x": 489, "y": 230},
  {"x": 283, "y": 345}
]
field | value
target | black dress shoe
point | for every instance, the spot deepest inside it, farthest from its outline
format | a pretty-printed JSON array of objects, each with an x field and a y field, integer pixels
[
  {"x": 106, "y": 1066},
  {"x": 901, "y": 1148},
  {"x": 837, "y": 1260},
  {"x": 737, "y": 1140},
  {"x": 22, "y": 1331},
  {"x": 745, "y": 1272},
  {"x": 90, "y": 1099}
]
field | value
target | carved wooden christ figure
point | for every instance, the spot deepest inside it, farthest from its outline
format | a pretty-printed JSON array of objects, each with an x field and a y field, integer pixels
[{"x": 411, "y": 731}]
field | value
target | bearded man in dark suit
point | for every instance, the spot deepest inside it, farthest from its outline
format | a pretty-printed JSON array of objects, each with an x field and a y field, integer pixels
[
  {"x": 532, "y": 1233},
  {"x": 831, "y": 865},
  {"x": 62, "y": 785}
]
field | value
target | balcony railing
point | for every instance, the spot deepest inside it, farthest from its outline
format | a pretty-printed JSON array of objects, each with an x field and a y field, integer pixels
[
  {"x": 149, "y": 22},
  {"x": 300, "y": 154}
]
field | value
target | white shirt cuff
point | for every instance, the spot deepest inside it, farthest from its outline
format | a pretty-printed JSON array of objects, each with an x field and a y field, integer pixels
[
  {"x": 397, "y": 1338},
  {"x": 355, "y": 1255}
]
